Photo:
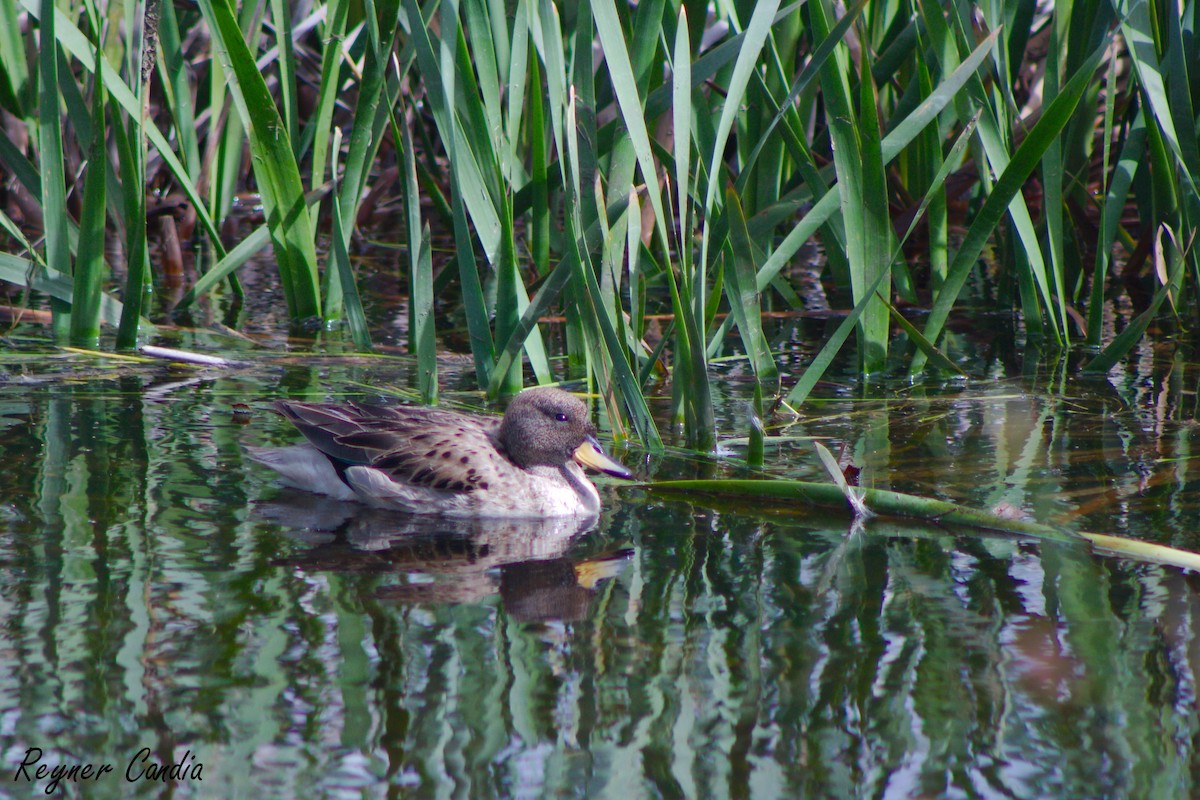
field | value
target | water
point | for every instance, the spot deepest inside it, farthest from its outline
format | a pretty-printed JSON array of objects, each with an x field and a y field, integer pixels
[{"x": 162, "y": 601}]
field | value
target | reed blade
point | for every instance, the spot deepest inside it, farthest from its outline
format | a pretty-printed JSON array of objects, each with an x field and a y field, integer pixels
[
  {"x": 89, "y": 265},
  {"x": 274, "y": 164}
]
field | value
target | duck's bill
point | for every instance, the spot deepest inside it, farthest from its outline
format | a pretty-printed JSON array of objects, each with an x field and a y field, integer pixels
[{"x": 590, "y": 454}]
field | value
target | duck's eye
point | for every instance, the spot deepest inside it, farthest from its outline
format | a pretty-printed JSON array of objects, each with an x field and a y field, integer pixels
[{"x": 561, "y": 417}]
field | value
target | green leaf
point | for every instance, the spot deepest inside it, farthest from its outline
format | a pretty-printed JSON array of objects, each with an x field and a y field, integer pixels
[
  {"x": 744, "y": 299},
  {"x": 89, "y": 266},
  {"x": 899, "y": 138},
  {"x": 273, "y": 161},
  {"x": 1024, "y": 161},
  {"x": 50, "y": 162}
]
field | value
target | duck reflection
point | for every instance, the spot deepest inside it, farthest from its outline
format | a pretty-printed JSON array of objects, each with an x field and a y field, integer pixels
[{"x": 451, "y": 560}]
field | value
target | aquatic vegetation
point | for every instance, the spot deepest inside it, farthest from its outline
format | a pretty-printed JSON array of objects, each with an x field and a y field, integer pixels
[{"x": 612, "y": 164}]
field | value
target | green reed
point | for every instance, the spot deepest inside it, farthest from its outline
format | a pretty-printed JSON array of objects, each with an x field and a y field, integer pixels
[{"x": 676, "y": 176}]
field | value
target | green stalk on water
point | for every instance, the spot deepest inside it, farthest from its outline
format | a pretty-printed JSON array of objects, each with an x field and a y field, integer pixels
[
  {"x": 281, "y": 18},
  {"x": 50, "y": 155},
  {"x": 861, "y": 188},
  {"x": 1132, "y": 149},
  {"x": 274, "y": 164},
  {"x": 340, "y": 272},
  {"x": 881, "y": 502},
  {"x": 131, "y": 146},
  {"x": 479, "y": 199},
  {"x": 745, "y": 300},
  {"x": 1052, "y": 122},
  {"x": 331, "y": 82},
  {"x": 89, "y": 266},
  {"x": 693, "y": 397},
  {"x": 896, "y": 504},
  {"x": 610, "y": 359},
  {"x": 176, "y": 90},
  {"x": 370, "y": 117},
  {"x": 422, "y": 337},
  {"x": 1022, "y": 253}
]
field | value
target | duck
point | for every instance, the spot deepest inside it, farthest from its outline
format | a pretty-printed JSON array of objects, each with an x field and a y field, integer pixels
[{"x": 528, "y": 464}]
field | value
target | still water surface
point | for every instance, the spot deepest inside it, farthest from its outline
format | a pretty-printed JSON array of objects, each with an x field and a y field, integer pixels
[{"x": 163, "y": 602}]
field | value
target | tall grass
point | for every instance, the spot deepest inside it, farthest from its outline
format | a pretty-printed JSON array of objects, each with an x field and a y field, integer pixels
[{"x": 610, "y": 161}]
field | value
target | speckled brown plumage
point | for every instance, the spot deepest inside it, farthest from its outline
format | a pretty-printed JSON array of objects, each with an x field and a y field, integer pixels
[{"x": 437, "y": 461}]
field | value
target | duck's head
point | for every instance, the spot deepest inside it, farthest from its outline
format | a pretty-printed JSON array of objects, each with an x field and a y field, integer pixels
[{"x": 547, "y": 426}]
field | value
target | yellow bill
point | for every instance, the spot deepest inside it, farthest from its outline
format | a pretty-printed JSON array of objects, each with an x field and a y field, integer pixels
[{"x": 591, "y": 454}]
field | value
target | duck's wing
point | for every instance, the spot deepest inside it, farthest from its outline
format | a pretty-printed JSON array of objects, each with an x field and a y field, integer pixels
[{"x": 414, "y": 445}]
